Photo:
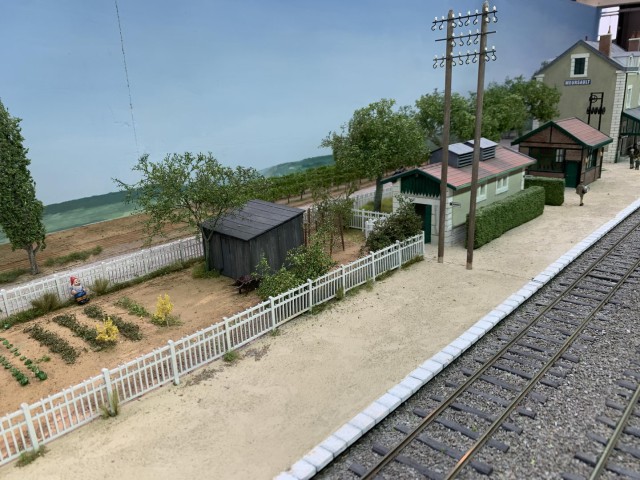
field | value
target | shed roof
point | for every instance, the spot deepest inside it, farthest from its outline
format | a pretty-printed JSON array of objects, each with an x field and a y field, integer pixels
[
  {"x": 254, "y": 219},
  {"x": 505, "y": 161},
  {"x": 583, "y": 133}
]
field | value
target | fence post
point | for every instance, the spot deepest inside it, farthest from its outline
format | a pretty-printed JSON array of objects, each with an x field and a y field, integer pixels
[
  {"x": 30, "y": 428},
  {"x": 5, "y": 304},
  {"x": 310, "y": 294},
  {"x": 373, "y": 266},
  {"x": 59, "y": 288},
  {"x": 227, "y": 334},
  {"x": 399, "y": 253},
  {"x": 174, "y": 363},
  {"x": 105, "y": 274},
  {"x": 107, "y": 384},
  {"x": 272, "y": 313},
  {"x": 343, "y": 280}
]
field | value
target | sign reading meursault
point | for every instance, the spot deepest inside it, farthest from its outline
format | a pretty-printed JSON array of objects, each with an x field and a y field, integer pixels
[{"x": 582, "y": 81}]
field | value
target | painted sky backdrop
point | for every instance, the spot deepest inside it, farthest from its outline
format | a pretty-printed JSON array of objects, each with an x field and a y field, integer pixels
[{"x": 255, "y": 82}]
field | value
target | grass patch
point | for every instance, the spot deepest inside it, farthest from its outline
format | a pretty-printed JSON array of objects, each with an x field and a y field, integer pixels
[
  {"x": 48, "y": 302},
  {"x": 133, "y": 307},
  {"x": 100, "y": 286},
  {"x": 112, "y": 409},
  {"x": 73, "y": 257},
  {"x": 199, "y": 270},
  {"x": 275, "y": 332},
  {"x": 417, "y": 259},
  {"x": 231, "y": 356},
  {"x": 12, "y": 275},
  {"x": 27, "y": 457}
]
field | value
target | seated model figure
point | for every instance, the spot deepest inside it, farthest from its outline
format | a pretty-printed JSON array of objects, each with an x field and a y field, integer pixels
[{"x": 78, "y": 291}]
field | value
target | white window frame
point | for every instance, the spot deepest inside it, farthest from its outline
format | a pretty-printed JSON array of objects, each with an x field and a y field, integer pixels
[
  {"x": 573, "y": 64},
  {"x": 481, "y": 194},
  {"x": 502, "y": 184}
]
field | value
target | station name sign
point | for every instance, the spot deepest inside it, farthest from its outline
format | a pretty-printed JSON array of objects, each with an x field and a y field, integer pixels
[{"x": 582, "y": 81}]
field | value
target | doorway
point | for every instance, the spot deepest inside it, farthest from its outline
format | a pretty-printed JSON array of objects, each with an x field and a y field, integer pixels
[
  {"x": 425, "y": 213},
  {"x": 572, "y": 174}
]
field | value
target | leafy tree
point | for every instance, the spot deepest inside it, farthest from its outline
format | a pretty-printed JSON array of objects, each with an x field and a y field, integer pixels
[
  {"x": 20, "y": 210},
  {"x": 187, "y": 189},
  {"x": 377, "y": 140},
  {"x": 507, "y": 106},
  {"x": 430, "y": 116}
]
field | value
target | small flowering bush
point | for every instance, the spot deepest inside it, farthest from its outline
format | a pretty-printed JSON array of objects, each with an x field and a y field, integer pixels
[
  {"x": 163, "y": 316},
  {"x": 107, "y": 333}
]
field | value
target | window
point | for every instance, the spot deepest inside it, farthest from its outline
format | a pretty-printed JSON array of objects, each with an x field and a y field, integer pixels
[
  {"x": 481, "y": 194},
  {"x": 560, "y": 154},
  {"x": 502, "y": 184},
  {"x": 579, "y": 64},
  {"x": 627, "y": 98},
  {"x": 547, "y": 160},
  {"x": 593, "y": 159}
]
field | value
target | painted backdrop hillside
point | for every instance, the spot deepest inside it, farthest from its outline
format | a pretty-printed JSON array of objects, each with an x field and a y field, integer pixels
[{"x": 109, "y": 206}]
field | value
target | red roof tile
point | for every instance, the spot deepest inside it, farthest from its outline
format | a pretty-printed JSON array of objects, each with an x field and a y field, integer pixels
[
  {"x": 506, "y": 160},
  {"x": 582, "y": 131}
]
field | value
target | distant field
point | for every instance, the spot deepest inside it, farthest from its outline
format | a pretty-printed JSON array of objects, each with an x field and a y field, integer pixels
[
  {"x": 100, "y": 208},
  {"x": 79, "y": 216}
]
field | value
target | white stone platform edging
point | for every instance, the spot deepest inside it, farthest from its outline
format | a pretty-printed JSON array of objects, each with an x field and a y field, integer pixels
[{"x": 322, "y": 454}]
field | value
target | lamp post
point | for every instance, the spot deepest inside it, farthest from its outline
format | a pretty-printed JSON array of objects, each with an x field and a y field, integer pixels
[{"x": 479, "y": 56}]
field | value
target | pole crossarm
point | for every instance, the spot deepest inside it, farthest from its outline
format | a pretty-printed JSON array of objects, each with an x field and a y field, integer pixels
[
  {"x": 465, "y": 20},
  {"x": 448, "y": 60}
]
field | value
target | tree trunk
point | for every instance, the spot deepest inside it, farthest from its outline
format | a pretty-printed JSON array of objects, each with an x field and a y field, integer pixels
[
  {"x": 31, "y": 252},
  {"x": 377, "y": 198}
]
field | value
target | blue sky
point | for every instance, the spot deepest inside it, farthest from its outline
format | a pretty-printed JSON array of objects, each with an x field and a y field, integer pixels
[{"x": 255, "y": 82}]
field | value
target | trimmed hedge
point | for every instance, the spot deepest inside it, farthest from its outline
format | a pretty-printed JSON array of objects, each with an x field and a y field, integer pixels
[
  {"x": 553, "y": 188},
  {"x": 499, "y": 217}
]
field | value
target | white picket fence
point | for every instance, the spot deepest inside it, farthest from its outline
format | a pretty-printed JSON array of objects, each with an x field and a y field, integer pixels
[
  {"x": 116, "y": 270},
  {"x": 123, "y": 268},
  {"x": 45, "y": 420}
]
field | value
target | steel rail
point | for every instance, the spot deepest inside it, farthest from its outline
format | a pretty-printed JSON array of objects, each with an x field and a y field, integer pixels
[{"x": 393, "y": 453}]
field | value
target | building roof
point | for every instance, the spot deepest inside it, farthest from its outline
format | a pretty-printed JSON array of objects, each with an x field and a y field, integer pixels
[
  {"x": 618, "y": 57},
  {"x": 254, "y": 219},
  {"x": 505, "y": 161},
  {"x": 582, "y": 133}
]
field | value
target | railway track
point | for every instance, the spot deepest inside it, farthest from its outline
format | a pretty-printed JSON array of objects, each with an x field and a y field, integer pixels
[{"x": 482, "y": 414}]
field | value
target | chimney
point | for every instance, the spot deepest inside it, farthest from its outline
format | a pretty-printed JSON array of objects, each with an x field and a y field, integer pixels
[{"x": 605, "y": 43}]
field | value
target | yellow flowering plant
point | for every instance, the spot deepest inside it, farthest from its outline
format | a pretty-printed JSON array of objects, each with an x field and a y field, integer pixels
[{"x": 107, "y": 331}]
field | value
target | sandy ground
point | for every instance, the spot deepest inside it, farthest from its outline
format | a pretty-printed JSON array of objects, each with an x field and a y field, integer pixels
[{"x": 251, "y": 420}]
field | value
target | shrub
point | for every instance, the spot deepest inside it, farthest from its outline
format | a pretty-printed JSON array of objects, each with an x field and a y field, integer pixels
[
  {"x": 48, "y": 302},
  {"x": 231, "y": 356},
  {"x": 553, "y": 188},
  {"x": 107, "y": 332},
  {"x": 163, "y": 316},
  {"x": 400, "y": 225},
  {"x": 499, "y": 217}
]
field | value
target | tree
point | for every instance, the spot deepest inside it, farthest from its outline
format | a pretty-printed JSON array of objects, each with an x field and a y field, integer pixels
[
  {"x": 377, "y": 140},
  {"x": 20, "y": 211},
  {"x": 188, "y": 189},
  {"x": 430, "y": 116},
  {"x": 506, "y": 107}
]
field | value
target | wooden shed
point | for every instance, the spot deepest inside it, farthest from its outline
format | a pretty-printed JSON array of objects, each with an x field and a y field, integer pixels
[
  {"x": 239, "y": 239},
  {"x": 569, "y": 149}
]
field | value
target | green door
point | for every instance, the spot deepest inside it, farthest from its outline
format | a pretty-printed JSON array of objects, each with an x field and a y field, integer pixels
[
  {"x": 571, "y": 174},
  {"x": 425, "y": 212}
]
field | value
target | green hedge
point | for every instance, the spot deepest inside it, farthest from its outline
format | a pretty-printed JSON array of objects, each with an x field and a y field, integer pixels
[
  {"x": 553, "y": 188},
  {"x": 499, "y": 217}
]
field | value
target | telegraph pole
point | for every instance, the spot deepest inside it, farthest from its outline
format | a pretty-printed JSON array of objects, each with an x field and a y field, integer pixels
[
  {"x": 450, "y": 60},
  {"x": 445, "y": 133}
]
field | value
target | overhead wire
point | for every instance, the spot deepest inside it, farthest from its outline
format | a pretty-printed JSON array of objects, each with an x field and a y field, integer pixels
[{"x": 126, "y": 73}]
